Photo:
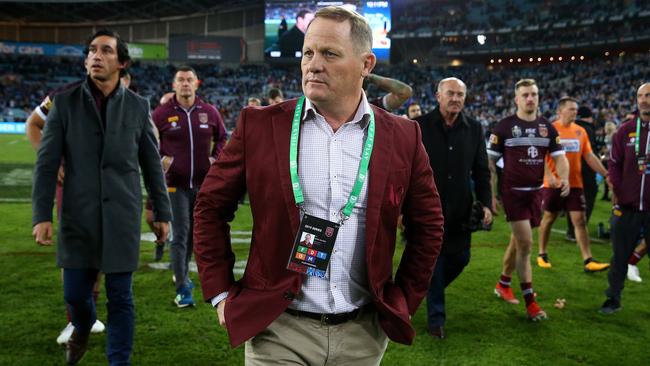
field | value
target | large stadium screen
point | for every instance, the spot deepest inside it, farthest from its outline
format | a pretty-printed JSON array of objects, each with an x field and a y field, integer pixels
[{"x": 286, "y": 21}]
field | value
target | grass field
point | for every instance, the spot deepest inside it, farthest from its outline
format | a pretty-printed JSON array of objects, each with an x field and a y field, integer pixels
[{"x": 481, "y": 330}]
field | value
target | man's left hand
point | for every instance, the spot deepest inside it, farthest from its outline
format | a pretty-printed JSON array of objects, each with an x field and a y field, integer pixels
[
  {"x": 487, "y": 216},
  {"x": 161, "y": 229}
]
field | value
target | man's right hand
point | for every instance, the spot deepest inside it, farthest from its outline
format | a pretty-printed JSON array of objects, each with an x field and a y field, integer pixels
[
  {"x": 42, "y": 233},
  {"x": 220, "y": 313},
  {"x": 60, "y": 175}
]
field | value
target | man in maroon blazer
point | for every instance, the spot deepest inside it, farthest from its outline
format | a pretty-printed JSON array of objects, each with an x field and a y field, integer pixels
[{"x": 348, "y": 314}]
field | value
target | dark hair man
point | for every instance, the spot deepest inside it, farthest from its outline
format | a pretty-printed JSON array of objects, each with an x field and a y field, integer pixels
[
  {"x": 585, "y": 120},
  {"x": 291, "y": 41},
  {"x": 275, "y": 96},
  {"x": 413, "y": 111},
  {"x": 456, "y": 147},
  {"x": 322, "y": 148},
  {"x": 192, "y": 135},
  {"x": 523, "y": 140},
  {"x": 104, "y": 133},
  {"x": 629, "y": 175}
]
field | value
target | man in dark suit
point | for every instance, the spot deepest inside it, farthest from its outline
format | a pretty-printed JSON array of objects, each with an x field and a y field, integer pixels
[
  {"x": 104, "y": 133},
  {"x": 291, "y": 41},
  {"x": 358, "y": 304},
  {"x": 456, "y": 148}
]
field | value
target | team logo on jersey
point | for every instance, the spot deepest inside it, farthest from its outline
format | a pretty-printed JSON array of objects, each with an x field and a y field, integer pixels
[
  {"x": 494, "y": 139},
  {"x": 543, "y": 131},
  {"x": 172, "y": 119},
  {"x": 558, "y": 140},
  {"x": 578, "y": 133},
  {"x": 203, "y": 117},
  {"x": 631, "y": 134},
  {"x": 329, "y": 232},
  {"x": 174, "y": 124},
  {"x": 516, "y": 132},
  {"x": 532, "y": 152}
]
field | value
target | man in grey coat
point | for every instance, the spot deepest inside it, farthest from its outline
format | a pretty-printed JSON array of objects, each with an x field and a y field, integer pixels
[{"x": 104, "y": 134}]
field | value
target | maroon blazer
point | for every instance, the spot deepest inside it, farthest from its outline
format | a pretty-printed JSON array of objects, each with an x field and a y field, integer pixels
[{"x": 257, "y": 159}]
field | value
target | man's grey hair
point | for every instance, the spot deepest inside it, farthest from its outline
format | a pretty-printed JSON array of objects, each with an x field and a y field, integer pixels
[
  {"x": 360, "y": 31},
  {"x": 443, "y": 81}
]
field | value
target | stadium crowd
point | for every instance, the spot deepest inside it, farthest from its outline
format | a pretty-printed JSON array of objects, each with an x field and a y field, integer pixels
[
  {"x": 605, "y": 85},
  {"x": 455, "y": 16}
]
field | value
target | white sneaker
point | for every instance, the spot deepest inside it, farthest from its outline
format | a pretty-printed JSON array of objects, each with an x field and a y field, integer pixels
[
  {"x": 65, "y": 334},
  {"x": 633, "y": 273},
  {"x": 98, "y": 327}
]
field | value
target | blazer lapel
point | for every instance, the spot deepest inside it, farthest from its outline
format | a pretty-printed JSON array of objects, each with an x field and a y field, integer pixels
[
  {"x": 281, "y": 125},
  {"x": 379, "y": 163}
]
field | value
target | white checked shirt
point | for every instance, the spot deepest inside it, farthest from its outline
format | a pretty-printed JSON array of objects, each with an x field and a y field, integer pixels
[{"x": 328, "y": 163}]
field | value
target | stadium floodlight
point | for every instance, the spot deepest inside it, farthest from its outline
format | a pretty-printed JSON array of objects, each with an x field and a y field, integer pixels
[
  {"x": 559, "y": 58},
  {"x": 481, "y": 38},
  {"x": 415, "y": 60},
  {"x": 606, "y": 53},
  {"x": 551, "y": 58},
  {"x": 530, "y": 59},
  {"x": 510, "y": 60},
  {"x": 582, "y": 58},
  {"x": 539, "y": 59},
  {"x": 519, "y": 59},
  {"x": 492, "y": 61},
  {"x": 573, "y": 58},
  {"x": 499, "y": 60},
  {"x": 275, "y": 54}
]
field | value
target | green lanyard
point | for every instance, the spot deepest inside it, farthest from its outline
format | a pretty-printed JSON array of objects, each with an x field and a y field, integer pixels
[
  {"x": 363, "y": 164},
  {"x": 638, "y": 137}
]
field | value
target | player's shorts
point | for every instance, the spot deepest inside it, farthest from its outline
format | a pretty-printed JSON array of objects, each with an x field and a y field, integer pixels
[
  {"x": 522, "y": 205},
  {"x": 553, "y": 202}
]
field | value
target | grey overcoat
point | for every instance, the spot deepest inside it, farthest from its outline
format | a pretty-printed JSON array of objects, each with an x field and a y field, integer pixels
[{"x": 100, "y": 218}]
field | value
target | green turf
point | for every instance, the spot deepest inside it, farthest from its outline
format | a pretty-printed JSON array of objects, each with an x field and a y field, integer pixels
[{"x": 481, "y": 330}]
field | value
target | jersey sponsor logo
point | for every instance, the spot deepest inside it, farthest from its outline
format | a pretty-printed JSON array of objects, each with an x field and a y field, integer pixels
[
  {"x": 533, "y": 152},
  {"x": 516, "y": 132},
  {"x": 570, "y": 145},
  {"x": 203, "y": 117},
  {"x": 631, "y": 134},
  {"x": 557, "y": 140},
  {"x": 494, "y": 139},
  {"x": 578, "y": 133},
  {"x": 172, "y": 119},
  {"x": 543, "y": 131},
  {"x": 531, "y": 132}
]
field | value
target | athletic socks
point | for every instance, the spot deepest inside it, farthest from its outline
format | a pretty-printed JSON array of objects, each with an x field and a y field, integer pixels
[
  {"x": 635, "y": 258},
  {"x": 527, "y": 292},
  {"x": 505, "y": 281},
  {"x": 588, "y": 260}
]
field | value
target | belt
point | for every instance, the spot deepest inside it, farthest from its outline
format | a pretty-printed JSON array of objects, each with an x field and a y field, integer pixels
[{"x": 328, "y": 319}]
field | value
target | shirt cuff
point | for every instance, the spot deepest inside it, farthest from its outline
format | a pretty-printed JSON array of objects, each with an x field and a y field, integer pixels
[{"x": 217, "y": 299}]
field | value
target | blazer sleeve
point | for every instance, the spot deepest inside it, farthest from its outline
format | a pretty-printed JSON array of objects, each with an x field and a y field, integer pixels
[
  {"x": 423, "y": 223},
  {"x": 154, "y": 180},
  {"x": 47, "y": 166},
  {"x": 215, "y": 208},
  {"x": 480, "y": 170}
]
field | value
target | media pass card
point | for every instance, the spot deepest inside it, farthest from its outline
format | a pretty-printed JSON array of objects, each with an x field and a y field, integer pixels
[{"x": 313, "y": 246}]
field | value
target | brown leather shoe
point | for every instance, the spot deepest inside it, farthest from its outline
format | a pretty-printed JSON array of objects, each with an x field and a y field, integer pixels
[
  {"x": 76, "y": 347},
  {"x": 437, "y": 332}
]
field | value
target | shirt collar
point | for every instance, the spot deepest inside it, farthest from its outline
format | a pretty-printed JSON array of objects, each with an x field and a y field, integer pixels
[
  {"x": 460, "y": 120},
  {"x": 361, "y": 117},
  {"x": 98, "y": 93}
]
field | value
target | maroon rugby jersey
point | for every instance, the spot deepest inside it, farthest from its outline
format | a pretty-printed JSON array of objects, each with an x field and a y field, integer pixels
[
  {"x": 523, "y": 146},
  {"x": 43, "y": 109}
]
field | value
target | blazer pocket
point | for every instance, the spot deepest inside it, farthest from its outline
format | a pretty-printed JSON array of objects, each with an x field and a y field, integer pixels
[{"x": 396, "y": 187}]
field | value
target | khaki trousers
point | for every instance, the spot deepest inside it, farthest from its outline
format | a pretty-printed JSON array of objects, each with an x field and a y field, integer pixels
[{"x": 294, "y": 340}]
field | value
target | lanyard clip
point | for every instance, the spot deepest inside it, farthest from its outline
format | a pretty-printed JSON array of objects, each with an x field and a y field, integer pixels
[{"x": 342, "y": 218}]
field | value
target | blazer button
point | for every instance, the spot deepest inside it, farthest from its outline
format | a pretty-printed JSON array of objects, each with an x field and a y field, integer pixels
[
  {"x": 106, "y": 199},
  {"x": 288, "y": 295}
]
